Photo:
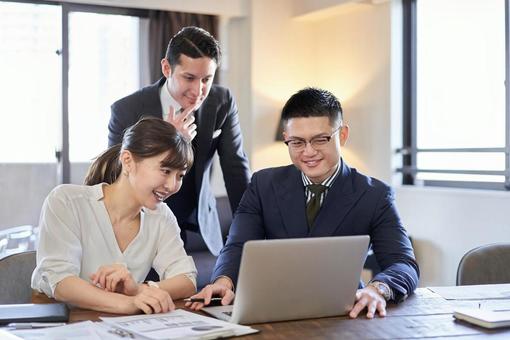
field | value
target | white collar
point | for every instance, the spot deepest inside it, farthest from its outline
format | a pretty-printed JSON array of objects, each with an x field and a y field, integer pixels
[{"x": 167, "y": 100}]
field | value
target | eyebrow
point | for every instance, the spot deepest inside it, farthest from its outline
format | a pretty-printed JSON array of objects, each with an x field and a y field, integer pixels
[
  {"x": 195, "y": 76},
  {"x": 323, "y": 134}
]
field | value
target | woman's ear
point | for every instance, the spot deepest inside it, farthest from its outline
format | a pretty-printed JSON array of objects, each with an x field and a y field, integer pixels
[{"x": 127, "y": 161}]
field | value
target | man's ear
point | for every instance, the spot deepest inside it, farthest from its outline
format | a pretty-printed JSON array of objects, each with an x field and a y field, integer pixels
[
  {"x": 285, "y": 135},
  {"x": 344, "y": 134},
  {"x": 165, "y": 68}
]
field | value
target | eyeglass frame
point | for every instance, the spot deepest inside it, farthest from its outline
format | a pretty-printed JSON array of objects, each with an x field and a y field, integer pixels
[{"x": 310, "y": 141}]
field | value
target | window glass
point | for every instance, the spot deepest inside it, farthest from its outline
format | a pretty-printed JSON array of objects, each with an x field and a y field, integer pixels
[
  {"x": 460, "y": 82},
  {"x": 103, "y": 67},
  {"x": 30, "y": 107}
]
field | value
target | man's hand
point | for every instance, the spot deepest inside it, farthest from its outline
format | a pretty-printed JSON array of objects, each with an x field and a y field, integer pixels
[
  {"x": 115, "y": 278},
  {"x": 183, "y": 121},
  {"x": 221, "y": 287},
  {"x": 370, "y": 298}
]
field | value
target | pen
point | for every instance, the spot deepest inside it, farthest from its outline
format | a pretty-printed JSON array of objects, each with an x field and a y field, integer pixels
[
  {"x": 214, "y": 299},
  {"x": 31, "y": 325}
]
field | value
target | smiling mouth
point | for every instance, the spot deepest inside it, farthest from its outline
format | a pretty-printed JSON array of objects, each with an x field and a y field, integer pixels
[
  {"x": 161, "y": 196},
  {"x": 312, "y": 163},
  {"x": 195, "y": 100}
]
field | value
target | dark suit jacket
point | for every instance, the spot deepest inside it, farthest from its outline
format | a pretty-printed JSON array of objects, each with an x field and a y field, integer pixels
[
  {"x": 218, "y": 111},
  {"x": 274, "y": 207}
]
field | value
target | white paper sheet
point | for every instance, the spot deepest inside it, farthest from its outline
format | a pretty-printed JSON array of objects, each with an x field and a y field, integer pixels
[
  {"x": 177, "y": 324},
  {"x": 77, "y": 331},
  {"x": 475, "y": 292}
]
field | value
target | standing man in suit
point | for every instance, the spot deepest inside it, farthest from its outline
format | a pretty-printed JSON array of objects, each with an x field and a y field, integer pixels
[
  {"x": 206, "y": 114},
  {"x": 320, "y": 195}
]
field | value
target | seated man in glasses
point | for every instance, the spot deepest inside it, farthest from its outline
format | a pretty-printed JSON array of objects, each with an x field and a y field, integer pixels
[{"x": 319, "y": 195}]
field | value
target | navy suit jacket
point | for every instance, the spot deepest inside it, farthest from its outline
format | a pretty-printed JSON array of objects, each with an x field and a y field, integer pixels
[
  {"x": 217, "y": 112},
  {"x": 274, "y": 207}
]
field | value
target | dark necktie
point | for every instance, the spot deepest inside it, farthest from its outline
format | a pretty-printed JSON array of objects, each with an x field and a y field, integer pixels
[{"x": 313, "y": 206}]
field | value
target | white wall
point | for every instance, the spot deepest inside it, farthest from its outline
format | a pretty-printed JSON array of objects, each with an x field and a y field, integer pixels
[
  {"x": 282, "y": 62},
  {"x": 347, "y": 52},
  {"x": 353, "y": 58},
  {"x": 446, "y": 223}
]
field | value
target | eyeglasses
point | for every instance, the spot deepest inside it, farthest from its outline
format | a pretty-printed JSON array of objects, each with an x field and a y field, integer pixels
[{"x": 317, "y": 143}]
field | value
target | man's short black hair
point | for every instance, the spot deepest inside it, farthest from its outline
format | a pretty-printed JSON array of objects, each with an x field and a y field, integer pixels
[
  {"x": 193, "y": 42},
  {"x": 313, "y": 102}
]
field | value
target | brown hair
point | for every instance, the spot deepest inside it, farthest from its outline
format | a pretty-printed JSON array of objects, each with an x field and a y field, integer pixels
[{"x": 149, "y": 137}]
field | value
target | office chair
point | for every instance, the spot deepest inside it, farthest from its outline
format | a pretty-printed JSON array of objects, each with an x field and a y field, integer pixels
[
  {"x": 488, "y": 264},
  {"x": 15, "y": 276}
]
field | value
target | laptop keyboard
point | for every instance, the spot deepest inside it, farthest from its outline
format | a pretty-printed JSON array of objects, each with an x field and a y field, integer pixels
[{"x": 228, "y": 313}]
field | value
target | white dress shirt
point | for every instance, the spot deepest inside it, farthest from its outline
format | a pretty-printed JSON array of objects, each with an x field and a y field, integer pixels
[
  {"x": 76, "y": 238},
  {"x": 328, "y": 182},
  {"x": 167, "y": 100}
]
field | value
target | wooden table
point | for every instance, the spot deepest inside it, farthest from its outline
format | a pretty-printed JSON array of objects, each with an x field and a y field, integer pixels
[{"x": 424, "y": 314}]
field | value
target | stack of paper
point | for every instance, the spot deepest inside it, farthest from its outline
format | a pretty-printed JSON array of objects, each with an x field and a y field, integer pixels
[
  {"x": 173, "y": 325},
  {"x": 86, "y": 330},
  {"x": 177, "y": 325}
]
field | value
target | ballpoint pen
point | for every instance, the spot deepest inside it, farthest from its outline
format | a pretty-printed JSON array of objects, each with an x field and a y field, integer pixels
[
  {"x": 31, "y": 325},
  {"x": 213, "y": 300}
]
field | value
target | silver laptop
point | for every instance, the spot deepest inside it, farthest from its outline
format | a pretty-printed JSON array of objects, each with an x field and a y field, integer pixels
[{"x": 290, "y": 279}]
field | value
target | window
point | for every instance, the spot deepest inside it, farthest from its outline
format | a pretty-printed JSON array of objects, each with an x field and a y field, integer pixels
[
  {"x": 30, "y": 86},
  {"x": 456, "y": 125},
  {"x": 62, "y": 66},
  {"x": 103, "y": 67}
]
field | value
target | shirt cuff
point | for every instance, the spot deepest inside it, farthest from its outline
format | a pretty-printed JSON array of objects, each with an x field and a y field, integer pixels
[{"x": 193, "y": 278}]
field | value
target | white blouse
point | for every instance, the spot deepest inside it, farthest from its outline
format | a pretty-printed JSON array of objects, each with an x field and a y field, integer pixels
[{"x": 76, "y": 238}]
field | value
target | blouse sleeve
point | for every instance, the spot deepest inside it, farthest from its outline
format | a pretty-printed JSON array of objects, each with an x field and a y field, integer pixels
[
  {"x": 59, "y": 251},
  {"x": 171, "y": 258}
]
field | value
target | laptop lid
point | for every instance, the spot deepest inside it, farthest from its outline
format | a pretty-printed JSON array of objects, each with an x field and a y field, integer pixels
[{"x": 290, "y": 279}]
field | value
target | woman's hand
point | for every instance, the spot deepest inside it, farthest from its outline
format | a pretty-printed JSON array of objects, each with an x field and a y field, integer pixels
[
  {"x": 152, "y": 300},
  {"x": 115, "y": 278}
]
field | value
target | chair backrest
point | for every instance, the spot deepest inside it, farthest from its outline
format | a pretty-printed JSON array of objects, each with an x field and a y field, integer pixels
[
  {"x": 15, "y": 276},
  {"x": 488, "y": 264}
]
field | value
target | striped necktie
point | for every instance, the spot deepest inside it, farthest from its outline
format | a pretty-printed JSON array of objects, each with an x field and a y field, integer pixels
[{"x": 314, "y": 204}]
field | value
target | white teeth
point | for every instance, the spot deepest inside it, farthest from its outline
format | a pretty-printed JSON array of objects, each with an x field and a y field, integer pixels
[{"x": 160, "y": 196}]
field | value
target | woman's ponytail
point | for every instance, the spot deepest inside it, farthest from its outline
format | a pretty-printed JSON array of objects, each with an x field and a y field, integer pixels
[{"x": 106, "y": 167}]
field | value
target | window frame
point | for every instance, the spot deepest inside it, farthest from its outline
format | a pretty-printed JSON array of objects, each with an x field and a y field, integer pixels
[
  {"x": 409, "y": 150},
  {"x": 62, "y": 152},
  {"x": 63, "y": 158}
]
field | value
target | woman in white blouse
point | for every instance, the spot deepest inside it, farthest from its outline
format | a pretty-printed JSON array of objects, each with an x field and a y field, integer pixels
[{"x": 98, "y": 241}]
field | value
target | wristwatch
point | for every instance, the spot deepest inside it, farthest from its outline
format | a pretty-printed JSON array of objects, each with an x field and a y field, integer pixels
[{"x": 383, "y": 289}]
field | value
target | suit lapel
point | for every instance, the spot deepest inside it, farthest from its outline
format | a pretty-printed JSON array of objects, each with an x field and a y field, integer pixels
[
  {"x": 340, "y": 199},
  {"x": 290, "y": 194}
]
